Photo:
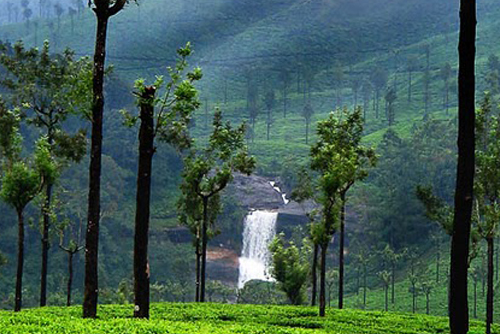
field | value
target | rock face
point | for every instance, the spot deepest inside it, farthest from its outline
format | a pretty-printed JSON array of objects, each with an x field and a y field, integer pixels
[{"x": 255, "y": 193}]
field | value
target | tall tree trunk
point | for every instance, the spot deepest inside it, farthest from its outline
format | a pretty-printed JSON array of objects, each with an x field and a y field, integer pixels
[
  {"x": 341, "y": 251},
  {"x": 20, "y": 261},
  {"x": 438, "y": 260},
  {"x": 45, "y": 244},
  {"x": 284, "y": 99},
  {"x": 393, "y": 281},
  {"x": 409, "y": 86},
  {"x": 204, "y": 241},
  {"x": 143, "y": 202},
  {"x": 314, "y": 279},
  {"x": 364, "y": 286},
  {"x": 307, "y": 132},
  {"x": 198, "y": 263},
  {"x": 459, "y": 313},
  {"x": 427, "y": 303},
  {"x": 70, "y": 278},
  {"x": 489, "y": 296},
  {"x": 94, "y": 199},
  {"x": 386, "y": 298},
  {"x": 322, "y": 281},
  {"x": 475, "y": 298}
]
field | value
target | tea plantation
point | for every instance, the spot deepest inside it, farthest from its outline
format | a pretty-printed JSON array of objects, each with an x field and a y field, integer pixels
[{"x": 221, "y": 318}]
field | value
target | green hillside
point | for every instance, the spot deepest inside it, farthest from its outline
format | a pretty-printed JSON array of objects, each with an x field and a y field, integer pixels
[{"x": 248, "y": 44}]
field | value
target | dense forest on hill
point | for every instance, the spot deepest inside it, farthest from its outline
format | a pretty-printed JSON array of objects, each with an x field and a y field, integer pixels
[{"x": 281, "y": 66}]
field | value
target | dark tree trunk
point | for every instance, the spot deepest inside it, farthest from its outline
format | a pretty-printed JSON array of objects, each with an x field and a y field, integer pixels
[
  {"x": 20, "y": 261},
  {"x": 459, "y": 313},
  {"x": 94, "y": 200},
  {"x": 386, "y": 298},
  {"x": 285, "y": 100},
  {"x": 413, "y": 294},
  {"x": 377, "y": 97},
  {"x": 45, "y": 244},
  {"x": 489, "y": 296},
  {"x": 198, "y": 263},
  {"x": 322, "y": 281},
  {"x": 427, "y": 303},
  {"x": 393, "y": 281},
  {"x": 364, "y": 286},
  {"x": 70, "y": 278},
  {"x": 496, "y": 262},
  {"x": 438, "y": 260},
  {"x": 143, "y": 202},
  {"x": 314, "y": 279},
  {"x": 307, "y": 132},
  {"x": 409, "y": 86},
  {"x": 204, "y": 241},
  {"x": 341, "y": 252},
  {"x": 268, "y": 123},
  {"x": 475, "y": 298}
]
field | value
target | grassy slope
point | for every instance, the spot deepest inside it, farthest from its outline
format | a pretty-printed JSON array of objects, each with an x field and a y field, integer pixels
[
  {"x": 438, "y": 298},
  {"x": 217, "y": 318}
]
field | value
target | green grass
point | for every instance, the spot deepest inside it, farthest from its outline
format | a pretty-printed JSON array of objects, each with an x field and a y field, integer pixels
[{"x": 222, "y": 318}]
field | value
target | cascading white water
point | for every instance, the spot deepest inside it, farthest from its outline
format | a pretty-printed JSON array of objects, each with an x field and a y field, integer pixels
[{"x": 259, "y": 230}]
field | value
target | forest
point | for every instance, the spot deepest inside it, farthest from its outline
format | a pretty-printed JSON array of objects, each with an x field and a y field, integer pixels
[{"x": 265, "y": 166}]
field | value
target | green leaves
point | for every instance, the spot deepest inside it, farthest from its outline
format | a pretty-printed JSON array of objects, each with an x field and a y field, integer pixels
[
  {"x": 20, "y": 185},
  {"x": 290, "y": 267},
  {"x": 173, "y": 111}
]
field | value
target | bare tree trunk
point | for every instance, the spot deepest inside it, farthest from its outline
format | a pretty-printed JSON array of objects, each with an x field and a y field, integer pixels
[
  {"x": 20, "y": 261},
  {"x": 364, "y": 286},
  {"x": 45, "y": 244},
  {"x": 307, "y": 132},
  {"x": 198, "y": 263},
  {"x": 143, "y": 202},
  {"x": 341, "y": 252},
  {"x": 94, "y": 199},
  {"x": 489, "y": 296},
  {"x": 314, "y": 279},
  {"x": 387, "y": 298},
  {"x": 322, "y": 281},
  {"x": 70, "y": 278},
  {"x": 204, "y": 241},
  {"x": 393, "y": 281},
  {"x": 458, "y": 305}
]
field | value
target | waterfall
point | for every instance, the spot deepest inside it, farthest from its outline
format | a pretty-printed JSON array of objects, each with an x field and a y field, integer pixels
[{"x": 259, "y": 231}]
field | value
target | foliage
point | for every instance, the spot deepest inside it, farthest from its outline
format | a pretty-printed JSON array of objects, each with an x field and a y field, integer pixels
[
  {"x": 290, "y": 267},
  {"x": 223, "y": 318}
]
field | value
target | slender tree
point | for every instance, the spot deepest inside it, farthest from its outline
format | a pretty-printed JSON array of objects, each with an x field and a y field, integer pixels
[
  {"x": 22, "y": 181},
  {"x": 340, "y": 160},
  {"x": 49, "y": 88},
  {"x": 487, "y": 190},
  {"x": 390, "y": 98},
  {"x": 411, "y": 67},
  {"x": 207, "y": 172},
  {"x": 307, "y": 113},
  {"x": 269, "y": 101},
  {"x": 385, "y": 278},
  {"x": 72, "y": 248},
  {"x": 458, "y": 301},
  {"x": 378, "y": 79},
  {"x": 169, "y": 124},
  {"x": 445, "y": 74},
  {"x": 286, "y": 81},
  {"x": 104, "y": 10}
]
